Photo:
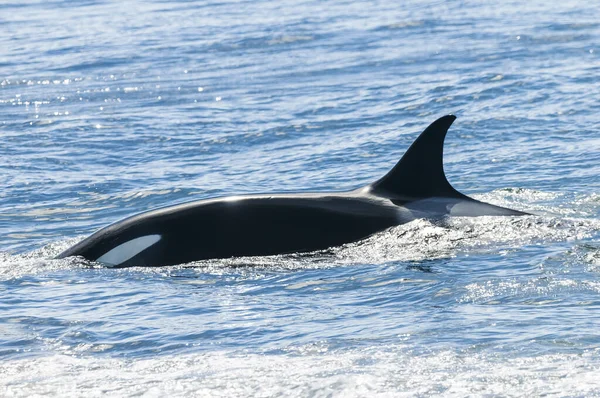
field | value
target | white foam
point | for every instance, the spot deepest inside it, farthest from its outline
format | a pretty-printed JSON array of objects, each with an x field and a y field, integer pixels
[{"x": 312, "y": 370}]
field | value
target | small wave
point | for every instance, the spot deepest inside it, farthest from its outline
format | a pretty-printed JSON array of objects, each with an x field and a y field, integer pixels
[
  {"x": 424, "y": 240},
  {"x": 13, "y": 266},
  {"x": 313, "y": 370}
]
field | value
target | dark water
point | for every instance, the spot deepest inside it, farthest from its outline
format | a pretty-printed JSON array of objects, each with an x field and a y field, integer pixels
[{"x": 111, "y": 108}]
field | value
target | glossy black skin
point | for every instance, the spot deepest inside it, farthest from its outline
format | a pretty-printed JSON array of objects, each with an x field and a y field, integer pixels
[
  {"x": 260, "y": 225},
  {"x": 246, "y": 226}
]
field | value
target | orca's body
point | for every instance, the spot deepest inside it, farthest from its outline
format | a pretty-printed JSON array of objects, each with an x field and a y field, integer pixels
[{"x": 260, "y": 225}]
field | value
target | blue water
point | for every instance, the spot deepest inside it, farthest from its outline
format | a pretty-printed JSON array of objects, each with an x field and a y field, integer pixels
[{"x": 112, "y": 108}]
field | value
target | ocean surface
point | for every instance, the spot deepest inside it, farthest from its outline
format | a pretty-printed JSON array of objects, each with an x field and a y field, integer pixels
[{"x": 111, "y": 108}]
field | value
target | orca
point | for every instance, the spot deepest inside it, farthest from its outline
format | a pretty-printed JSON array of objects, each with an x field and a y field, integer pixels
[{"x": 272, "y": 224}]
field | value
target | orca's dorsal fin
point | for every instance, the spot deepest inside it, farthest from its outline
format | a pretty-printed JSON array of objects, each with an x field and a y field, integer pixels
[{"x": 420, "y": 172}]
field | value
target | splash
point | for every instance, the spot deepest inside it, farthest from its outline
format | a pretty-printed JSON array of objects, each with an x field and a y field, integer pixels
[{"x": 362, "y": 372}]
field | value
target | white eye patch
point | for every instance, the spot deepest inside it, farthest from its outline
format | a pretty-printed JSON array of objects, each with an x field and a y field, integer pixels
[{"x": 127, "y": 250}]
